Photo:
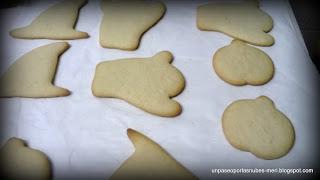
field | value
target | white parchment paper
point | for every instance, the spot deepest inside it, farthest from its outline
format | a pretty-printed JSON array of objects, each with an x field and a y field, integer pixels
[{"x": 86, "y": 136}]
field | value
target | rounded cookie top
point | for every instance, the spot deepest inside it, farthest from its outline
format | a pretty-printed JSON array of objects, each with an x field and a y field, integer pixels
[
  {"x": 258, "y": 127},
  {"x": 240, "y": 64}
]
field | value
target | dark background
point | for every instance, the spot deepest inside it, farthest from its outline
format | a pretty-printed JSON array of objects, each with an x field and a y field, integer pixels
[{"x": 307, "y": 13}]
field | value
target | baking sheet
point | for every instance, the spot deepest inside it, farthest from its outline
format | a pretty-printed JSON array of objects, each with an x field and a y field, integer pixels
[{"x": 85, "y": 136}]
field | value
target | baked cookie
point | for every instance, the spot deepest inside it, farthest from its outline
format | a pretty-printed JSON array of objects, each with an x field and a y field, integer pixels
[
  {"x": 258, "y": 127},
  {"x": 32, "y": 74},
  {"x": 150, "y": 161},
  {"x": 57, "y": 22},
  {"x": 244, "y": 21},
  {"x": 124, "y": 22},
  {"x": 21, "y": 162},
  {"x": 240, "y": 64},
  {"x": 147, "y": 83}
]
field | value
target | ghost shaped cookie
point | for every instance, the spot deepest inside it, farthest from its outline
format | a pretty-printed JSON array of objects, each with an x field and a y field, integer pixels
[
  {"x": 150, "y": 161},
  {"x": 32, "y": 74},
  {"x": 57, "y": 22},
  {"x": 244, "y": 21},
  {"x": 258, "y": 127},
  {"x": 240, "y": 64},
  {"x": 147, "y": 83},
  {"x": 124, "y": 22},
  {"x": 21, "y": 162}
]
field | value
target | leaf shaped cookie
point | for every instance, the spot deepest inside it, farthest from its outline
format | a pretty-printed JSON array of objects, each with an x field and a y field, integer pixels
[
  {"x": 57, "y": 22},
  {"x": 240, "y": 64},
  {"x": 124, "y": 22},
  {"x": 150, "y": 161},
  {"x": 147, "y": 83},
  {"x": 32, "y": 74},
  {"x": 20, "y": 162},
  {"x": 244, "y": 21},
  {"x": 258, "y": 127}
]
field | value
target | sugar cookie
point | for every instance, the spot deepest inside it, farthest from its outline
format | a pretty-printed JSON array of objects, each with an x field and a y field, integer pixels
[
  {"x": 147, "y": 83},
  {"x": 124, "y": 22},
  {"x": 57, "y": 22},
  {"x": 32, "y": 74},
  {"x": 21, "y": 162},
  {"x": 150, "y": 161},
  {"x": 258, "y": 127},
  {"x": 240, "y": 64},
  {"x": 244, "y": 21}
]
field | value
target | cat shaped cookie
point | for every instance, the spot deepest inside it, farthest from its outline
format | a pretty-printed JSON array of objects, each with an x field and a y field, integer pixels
[
  {"x": 150, "y": 161},
  {"x": 147, "y": 83},
  {"x": 18, "y": 161}
]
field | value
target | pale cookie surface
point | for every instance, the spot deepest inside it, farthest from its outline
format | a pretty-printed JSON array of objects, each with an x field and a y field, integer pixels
[
  {"x": 258, "y": 127},
  {"x": 124, "y": 22},
  {"x": 240, "y": 64},
  {"x": 33, "y": 73},
  {"x": 57, "y": 22},
  {"x": 21, "y": 162},
  {"x": 150, "y": 161},
  {"x": 147, "y": 83},
  {"x": 244, "y": 21}
]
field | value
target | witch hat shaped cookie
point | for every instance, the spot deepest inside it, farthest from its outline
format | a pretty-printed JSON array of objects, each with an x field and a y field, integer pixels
[
  {"x": 244, "y": 21},
  {"x": 147, "y": 83},
  {"x": 125, "y": 21},
  {"x": 18, "y": 161},
  {"x": 32, "y": 74},
  {"x": 57, "y": 22},
  {"x": 150, "y": 161}
]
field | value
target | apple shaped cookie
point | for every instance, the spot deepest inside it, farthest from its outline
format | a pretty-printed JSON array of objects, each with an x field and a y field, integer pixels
[
  {"x": 150, "y": 161},
  {"x": 147, "y": 83},
  {"x": 124, "y": 22},
  {"x": 240, "y": 64},
  {"x": 20, "y": 162},
  {"x": 244, "y": 21},
  {"x": 57, "y": 22},
  {"x": 32, "y": 74},
  {"x": 258, "y": 127}
]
